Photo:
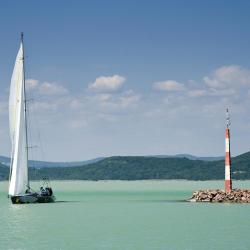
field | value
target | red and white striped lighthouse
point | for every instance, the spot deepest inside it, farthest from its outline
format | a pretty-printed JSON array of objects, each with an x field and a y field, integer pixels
[{"x": 228, "y": 181}]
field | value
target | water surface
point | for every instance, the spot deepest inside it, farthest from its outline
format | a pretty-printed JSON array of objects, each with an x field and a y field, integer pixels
[{"x": 125, "y": 215}]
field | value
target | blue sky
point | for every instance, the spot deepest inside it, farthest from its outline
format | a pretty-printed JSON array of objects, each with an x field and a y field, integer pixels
[{"x": 129, "y": 77}]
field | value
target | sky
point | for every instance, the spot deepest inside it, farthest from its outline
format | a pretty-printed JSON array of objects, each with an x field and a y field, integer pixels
[{"x": 129, "y": 77}]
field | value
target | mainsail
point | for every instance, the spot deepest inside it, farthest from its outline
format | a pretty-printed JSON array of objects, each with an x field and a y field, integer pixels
[{"x": 17, "y": 120}]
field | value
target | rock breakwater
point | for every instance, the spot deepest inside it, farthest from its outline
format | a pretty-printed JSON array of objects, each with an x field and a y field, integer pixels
[{"x": 217, "y": 195}]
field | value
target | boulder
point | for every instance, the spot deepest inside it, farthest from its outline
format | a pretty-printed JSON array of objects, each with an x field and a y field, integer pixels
[{"x": 236, "y": 195}]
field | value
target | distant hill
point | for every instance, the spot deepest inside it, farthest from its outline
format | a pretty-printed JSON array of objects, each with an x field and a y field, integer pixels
[
  {"x": 4, "y": 172},
  {"x": 143, "y": 168},
  {"x": 46, "y": 164},
  {"x": 4, "y": 160},
  {"x": 191, "y": 157}
]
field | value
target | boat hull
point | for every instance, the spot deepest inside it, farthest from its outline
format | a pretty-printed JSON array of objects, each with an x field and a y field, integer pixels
[
  {"x": 32, "y": 198},
  {"x": 46, "y": 199}
]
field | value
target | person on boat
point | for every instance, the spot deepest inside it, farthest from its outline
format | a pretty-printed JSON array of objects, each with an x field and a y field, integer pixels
[
  {"x": 49, "y": 191},
  {"x": 43, "y": 191}
]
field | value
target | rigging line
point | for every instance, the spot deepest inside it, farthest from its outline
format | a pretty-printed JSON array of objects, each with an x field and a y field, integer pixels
[
  {"x": 37, "y": 127},
  {"x": 38, "y": 131},
  {"x": 40, "y": 140},
  {"x": 31, "y": 133},
  {"x": 34, "y": 126},
  {"x": 30, "y": 137},
  {"x": 32, "y": 153},
  {"x": 31, "y": 128}
]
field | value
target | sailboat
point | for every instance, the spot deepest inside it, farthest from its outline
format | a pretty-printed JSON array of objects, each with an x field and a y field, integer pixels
[{"x": 19, "y": 186}]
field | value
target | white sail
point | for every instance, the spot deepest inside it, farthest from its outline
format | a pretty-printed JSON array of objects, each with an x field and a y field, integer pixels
[{"x": 17, "y": 120}]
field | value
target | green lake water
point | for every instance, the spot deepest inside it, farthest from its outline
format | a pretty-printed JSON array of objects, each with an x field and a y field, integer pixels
[{"x": 125, "y": 215}]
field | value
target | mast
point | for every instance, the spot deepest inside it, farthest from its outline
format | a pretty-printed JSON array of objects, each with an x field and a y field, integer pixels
[
  {"x": 228, "y": 181},
  {"x": 25, "y": 109}
]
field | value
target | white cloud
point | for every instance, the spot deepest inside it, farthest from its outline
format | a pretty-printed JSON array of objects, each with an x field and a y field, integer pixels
[
  {"x": 169, "y": 85},
  {"x": 48, "y": 88},
  {"x": 52, "y": 105},
  {"x": 197, "y": 92},
  {"x": 103, "y": 97},
  {"x": 78, "y": 124},
  {"x": 226, "y": 76},
  {"x": 222, "y": 92},
  {"x": 31, "y": 84},
  {"x": 75, "y": 103},
  {"x": 107, "y": 83},
  {"x": 232, "y": 80},
  {"x": 104, "y": 103},
  {"x": 129, "y": 98},
  {"x": 43, "y": 106}
]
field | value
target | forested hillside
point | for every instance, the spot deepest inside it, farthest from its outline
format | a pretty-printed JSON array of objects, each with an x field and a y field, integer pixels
[{"x": 143, "y": 168}]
